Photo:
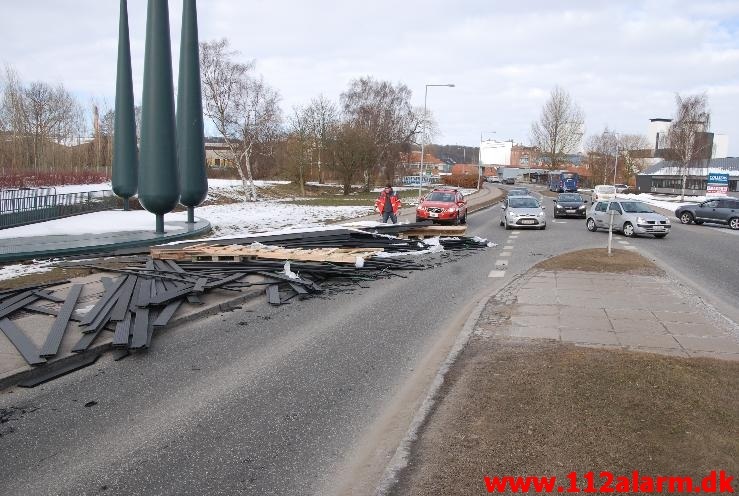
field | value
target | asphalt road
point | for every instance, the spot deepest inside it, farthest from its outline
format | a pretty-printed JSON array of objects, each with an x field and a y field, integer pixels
[{"x": 264, "y": 400}]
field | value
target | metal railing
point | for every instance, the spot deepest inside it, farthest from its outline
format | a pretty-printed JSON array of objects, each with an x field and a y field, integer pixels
[{"x": 19, "y": 207}]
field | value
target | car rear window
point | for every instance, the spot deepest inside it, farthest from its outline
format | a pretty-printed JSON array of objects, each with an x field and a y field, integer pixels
[
  {"x": 570, "y": 198},
  {"x": 606, "y": 190}
]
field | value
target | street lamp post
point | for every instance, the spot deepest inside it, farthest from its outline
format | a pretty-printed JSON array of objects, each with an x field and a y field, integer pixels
[{"x": 423, "y": 135}]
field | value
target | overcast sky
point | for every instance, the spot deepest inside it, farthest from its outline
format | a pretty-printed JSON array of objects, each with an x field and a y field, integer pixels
[{"x": 622, "y": 62}]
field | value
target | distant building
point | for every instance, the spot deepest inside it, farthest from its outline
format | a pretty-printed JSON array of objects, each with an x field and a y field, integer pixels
[
  {"x": 666, "y": 176},
  {"x": 431, "y": 165},
  {"x": 218, "y": 154},
  {"x": 493, "y": 152},
  {"x": 715, "y": 145}
]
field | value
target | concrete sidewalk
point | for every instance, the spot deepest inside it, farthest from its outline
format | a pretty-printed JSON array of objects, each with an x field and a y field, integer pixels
[{"x": 642, "y": 313}]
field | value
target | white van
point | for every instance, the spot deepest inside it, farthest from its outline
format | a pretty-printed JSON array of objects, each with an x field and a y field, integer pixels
[{"x": 603, "y": 192}]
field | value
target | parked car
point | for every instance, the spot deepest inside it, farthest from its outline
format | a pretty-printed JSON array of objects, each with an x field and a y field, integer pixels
[
  {"x": 509, "y": 180},
  {"x": 570, "y": 204},
  {"x": 443, "y": 205},
  {"x": 629, "y": 217},
  {"x": 718, "y": 210},
  {"x": 493, "y": 179},
  {"x": 522, "y": 211},
  {"x": 620, "y": 188},
  {"x": 519, "y": 192},
  {"x": 603, "y": 192}
]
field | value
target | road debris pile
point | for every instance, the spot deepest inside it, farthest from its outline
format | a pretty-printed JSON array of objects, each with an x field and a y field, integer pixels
[{"x": 151, "y": 289}]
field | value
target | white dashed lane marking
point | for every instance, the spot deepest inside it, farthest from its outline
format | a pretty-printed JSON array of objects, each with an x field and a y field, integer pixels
[
  {"x": 508, "y": 247},
  {"x": 505, "y": 253},
  {"x": 497, "y": 273}
]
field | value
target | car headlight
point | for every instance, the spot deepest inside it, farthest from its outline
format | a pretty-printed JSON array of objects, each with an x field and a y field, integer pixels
[
  {"x": 512, "y": 214},
  {"x": 641, "y": 220},
  {"x": 451, "y": 209},
  {"x": 667, "y": 221},
  {"x": 581, "y": 207},
  {"x": 541, "y": 214}
]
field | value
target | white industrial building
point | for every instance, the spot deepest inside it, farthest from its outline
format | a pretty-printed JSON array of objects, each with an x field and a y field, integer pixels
[{"x": 494, "y": 152}]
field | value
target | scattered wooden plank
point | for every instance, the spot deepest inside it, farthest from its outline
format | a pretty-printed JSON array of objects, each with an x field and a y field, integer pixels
[
  {"x": 124, "y": 299},
  {"x": 59, "y": 327},
  {"x": 273, "y": 294},
  {"x": 18, "y": 305},
  {"x": 166, "y": 314},
  {"x": 60, "y": 371},
  {"x": 107, "y": 295},
  {"x": 140, "y": 328},
  {"x": 22, "y": 343},
  {"x": 122, "y": 331}
]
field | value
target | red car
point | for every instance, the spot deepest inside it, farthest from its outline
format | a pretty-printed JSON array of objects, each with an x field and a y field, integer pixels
[{"x": 443, "y": 205}]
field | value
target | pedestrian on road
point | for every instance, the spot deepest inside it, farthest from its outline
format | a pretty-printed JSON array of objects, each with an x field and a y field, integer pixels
[{"x": 388, "y": 204}]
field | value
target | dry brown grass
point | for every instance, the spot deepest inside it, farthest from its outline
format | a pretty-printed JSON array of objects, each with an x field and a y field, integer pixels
[
  {"x": 598, "y": 260},
  {"x": 546, "y": 408}
]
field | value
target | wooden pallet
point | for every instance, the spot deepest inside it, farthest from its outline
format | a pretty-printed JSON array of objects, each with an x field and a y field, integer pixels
[
  {"x": 431, "y": 231},
  {"x": 239, "y": 253}
]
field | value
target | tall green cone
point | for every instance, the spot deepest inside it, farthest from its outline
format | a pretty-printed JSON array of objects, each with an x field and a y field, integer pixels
[
  {"x": 190, "y": 141},
  {"x": 125, "y": 154},
  {"x": 158, "y": 183}
]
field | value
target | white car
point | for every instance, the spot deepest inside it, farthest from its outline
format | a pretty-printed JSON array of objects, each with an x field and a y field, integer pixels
[
  {"x": 629, "y": 217},
  {"x": 522, "y": 211},
  {"x": 603, "y": 192}
]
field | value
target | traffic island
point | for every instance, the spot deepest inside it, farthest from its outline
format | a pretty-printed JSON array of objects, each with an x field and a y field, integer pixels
[{"x": 574, "y": 371}]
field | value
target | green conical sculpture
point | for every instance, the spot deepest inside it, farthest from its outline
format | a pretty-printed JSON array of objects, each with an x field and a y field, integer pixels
[
  {"x": 190, "y": 141},
  {"x": 158, "y": 182},
  {"x": 125, "y": 154}
]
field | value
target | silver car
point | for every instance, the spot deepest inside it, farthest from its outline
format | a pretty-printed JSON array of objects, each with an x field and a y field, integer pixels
[
  {"x": 629, "y": 217},
  {"x": 522, "y": 211}
]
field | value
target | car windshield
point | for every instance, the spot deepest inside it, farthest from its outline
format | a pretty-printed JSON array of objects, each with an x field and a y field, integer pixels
[
  {"x": 569, "y": 198},
  {"x": 636, "y": 208},
  {"x": 517, "y": 192},
  {"x": 606, "y": 190},
  {"x": 523, "y": 203},
  {"x": 440, "y": 196}
]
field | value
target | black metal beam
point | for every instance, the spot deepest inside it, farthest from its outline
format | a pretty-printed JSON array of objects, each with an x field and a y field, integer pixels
[
  {"x": 60, "y": 371},
  {"x": 59, "y": 327},
  {"x": 22, "y": 343}
]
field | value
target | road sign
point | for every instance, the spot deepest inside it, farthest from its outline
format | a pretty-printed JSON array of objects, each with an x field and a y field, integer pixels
[{"x": 717, "y": 184}]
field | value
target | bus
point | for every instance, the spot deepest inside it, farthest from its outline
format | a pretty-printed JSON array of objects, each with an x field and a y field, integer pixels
[{"x": 563, "y": 182}]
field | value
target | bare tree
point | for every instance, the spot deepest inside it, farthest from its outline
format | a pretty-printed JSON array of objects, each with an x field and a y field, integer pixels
[
  {"x": 559, "y": 129},
  {"x": 299, "y": 144},
  {"x": 632, "y": 155},
  {"x": 686, "y": 138},
  {"x": 243, "y": 108},
  {"x": 352, "y": 153},
  {"x": 39, "y": 117},
  {"x": 385, "y": 112},
  {"x": 600, "y": 150},
  {"x": 323, "y": 118}
]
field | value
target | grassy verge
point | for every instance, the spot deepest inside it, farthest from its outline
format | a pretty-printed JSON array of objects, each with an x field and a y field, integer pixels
[{"x": 548, "y": 409}]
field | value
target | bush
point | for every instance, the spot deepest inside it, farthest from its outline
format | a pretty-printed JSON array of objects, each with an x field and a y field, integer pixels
[
  {"x": 35, "y": 179},
  {"x": 461, "y": 180}
]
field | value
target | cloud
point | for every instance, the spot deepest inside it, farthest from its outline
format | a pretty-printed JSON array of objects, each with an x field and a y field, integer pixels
[{"x": 622, "y": 62}]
